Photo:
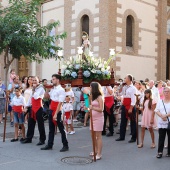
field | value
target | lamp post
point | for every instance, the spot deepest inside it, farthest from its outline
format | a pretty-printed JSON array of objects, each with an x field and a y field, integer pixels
[
  {"x": 80, "y": 52},
  {"x": 112, "y": 54},
  {"x": 60, "y": 54}
]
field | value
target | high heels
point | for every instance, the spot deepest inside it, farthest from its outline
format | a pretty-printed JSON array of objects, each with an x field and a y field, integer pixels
[
  {"x": 140, "y": 146},
  {"x": 98, "y": 157}
]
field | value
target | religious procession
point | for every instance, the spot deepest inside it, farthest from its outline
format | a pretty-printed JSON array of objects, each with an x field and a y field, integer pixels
[{"x": 100, "y": 109}]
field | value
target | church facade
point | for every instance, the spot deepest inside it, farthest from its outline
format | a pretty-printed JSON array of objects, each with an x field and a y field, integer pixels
[{"x": 138, "y": 29}]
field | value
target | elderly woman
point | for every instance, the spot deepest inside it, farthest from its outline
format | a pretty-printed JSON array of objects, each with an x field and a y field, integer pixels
[{"x": 163, "y": 112}]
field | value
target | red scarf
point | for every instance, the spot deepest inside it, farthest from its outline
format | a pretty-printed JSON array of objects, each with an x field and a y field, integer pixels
[
  {"x": 18, "y": 109},
  {"x": 127, "y": 104},
  {"x": 53, "y": 107},
  {"x": 36, "y": 105},
  {"x": 109, "y": 101}
]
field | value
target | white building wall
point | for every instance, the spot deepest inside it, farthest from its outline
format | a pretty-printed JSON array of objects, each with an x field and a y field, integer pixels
[
  {"x": 52, "y": 11},
  {"x": 139, "y": 67}
]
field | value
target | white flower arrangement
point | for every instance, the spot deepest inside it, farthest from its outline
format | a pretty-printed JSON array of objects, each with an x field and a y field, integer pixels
[{"x": 95, "y": 69}]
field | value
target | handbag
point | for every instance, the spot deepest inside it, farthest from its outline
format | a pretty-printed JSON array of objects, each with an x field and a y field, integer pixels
[
  {"x": 46, "y": 112},
  {"x": 168, "y": 127}
]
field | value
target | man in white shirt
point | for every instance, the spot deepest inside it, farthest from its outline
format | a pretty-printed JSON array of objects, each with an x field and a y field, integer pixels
[
  {"x": 155, "y": 92},
  {"x": 36, "y": 113},
  {"x": 128, "y": 110},
  {"x": 108, "y": 110},
  {"x": 57, "y": 96}
]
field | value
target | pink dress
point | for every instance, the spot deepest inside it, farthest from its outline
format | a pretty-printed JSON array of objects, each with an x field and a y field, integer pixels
[
  {"x": 147, "y": 115},
  {"x": 98, "y": 118}
]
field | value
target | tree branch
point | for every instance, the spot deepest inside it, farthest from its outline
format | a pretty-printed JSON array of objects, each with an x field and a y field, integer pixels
[
  {"x": 5, "y": 56},
  {"x": 11, "y": 61}
]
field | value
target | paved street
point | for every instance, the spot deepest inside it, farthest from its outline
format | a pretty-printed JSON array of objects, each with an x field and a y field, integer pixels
[{"x": 116, "y": 155}]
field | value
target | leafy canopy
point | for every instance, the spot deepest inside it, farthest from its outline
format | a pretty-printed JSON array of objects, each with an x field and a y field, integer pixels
[{"x": 21, "y": 33}]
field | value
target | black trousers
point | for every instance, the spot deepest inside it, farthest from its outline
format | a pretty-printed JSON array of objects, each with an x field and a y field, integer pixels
[
  {"x": 161, "y": 140},
  {"x": 111, "y": 120},
  {"x": 52, "y": 130},
  {"x": 41, "y": 128},
  {"x": 123, "y": 123}
]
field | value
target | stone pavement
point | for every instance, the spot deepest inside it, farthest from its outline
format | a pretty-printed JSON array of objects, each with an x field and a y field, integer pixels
[{"x": 116, "y": 155}]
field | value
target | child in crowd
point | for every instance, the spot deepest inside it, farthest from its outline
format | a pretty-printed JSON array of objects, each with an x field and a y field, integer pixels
[
  {"x": 67, "y": 115},
  {"x": 18, "y": 104},
  {"x": 12, "y": 76},
  {"x": 148, "y": 118},
  {"x": 69, "y": 92}
]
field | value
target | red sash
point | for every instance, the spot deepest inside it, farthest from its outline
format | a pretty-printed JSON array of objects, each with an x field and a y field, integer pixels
[
  {"x": 36, "y": 105},
  {"x": 18, "y": 109},
  {"x": 67, "y": 114},
  {"x": 108, "y": 101},
  {"x": 53, "y": 107},
  {"x": 127, "y": 104}
]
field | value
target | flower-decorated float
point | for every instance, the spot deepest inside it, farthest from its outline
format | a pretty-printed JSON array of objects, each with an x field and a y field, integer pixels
[{"x": 80, "y": 72}]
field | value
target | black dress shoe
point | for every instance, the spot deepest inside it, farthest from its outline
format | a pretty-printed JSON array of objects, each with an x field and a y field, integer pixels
[
  {"x": 103, "y": 133},
  {"x": 14, "y": 140},
  {"x": 40, "y": 143},
  {"x": 26, "y": 141},
  {"x": 64, "y": 149},
  {"x": 120, "y": 139},
  {"x": 159, "y": 155},
  {"x": 167, "y": 155},
  {"x": 132, "y": 141},
  {"x": 46, "y": 148},
  {"x": 109, "y": 134}
]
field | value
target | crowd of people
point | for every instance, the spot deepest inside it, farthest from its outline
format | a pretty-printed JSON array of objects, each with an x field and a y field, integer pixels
[{"x": 29, "y": 99}]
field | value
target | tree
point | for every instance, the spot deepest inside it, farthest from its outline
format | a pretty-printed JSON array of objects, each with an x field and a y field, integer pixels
[{"x": 22, "y": 35}]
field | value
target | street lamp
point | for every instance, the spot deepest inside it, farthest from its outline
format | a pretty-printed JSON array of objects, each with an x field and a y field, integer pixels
[
  {"x": 60, "y": 54},
  {"x": 112, "y": 53}
]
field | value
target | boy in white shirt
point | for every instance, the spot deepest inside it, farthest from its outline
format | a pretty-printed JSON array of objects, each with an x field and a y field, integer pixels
[
  {"x": 67, "y": 115},
  {"x": 18, "y": 104}
]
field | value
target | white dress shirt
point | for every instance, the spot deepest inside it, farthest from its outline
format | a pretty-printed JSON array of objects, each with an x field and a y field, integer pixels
[
  {"x": 37, "y": 94},
  {"x": 129, "y": 92},
  {"x": 18, "y": 101},
  {"x": 106, "y": 92},
  {"x": 155, "y": 94},
  {"x": 57, "y": 94}
]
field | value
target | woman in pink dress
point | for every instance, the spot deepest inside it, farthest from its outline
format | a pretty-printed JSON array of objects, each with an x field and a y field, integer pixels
[
  {"x": 97, "y": 107},
  {"x": 148, "y": 118},
  {"x": 160, "y": 89}
]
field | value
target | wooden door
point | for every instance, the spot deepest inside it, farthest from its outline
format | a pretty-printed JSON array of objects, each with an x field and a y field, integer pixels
[{"x": 22, "y": 67}]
